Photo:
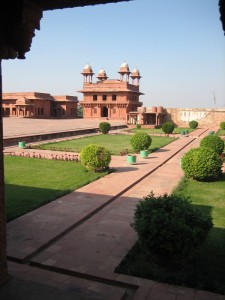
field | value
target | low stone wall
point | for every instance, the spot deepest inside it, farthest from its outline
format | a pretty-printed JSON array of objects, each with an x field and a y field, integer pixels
[
  {"x": 142, "y": 126},
  {"x": 205, "y": 117},
  {"x": 53, "y": 135}
]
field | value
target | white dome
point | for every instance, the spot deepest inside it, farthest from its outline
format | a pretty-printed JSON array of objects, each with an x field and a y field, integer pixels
[
  {"x": 102, "y": 71},
  {"x": 136, "y": 72},
  {"x": 124, "y": 65},
  {"x": 87, "y": 67}
]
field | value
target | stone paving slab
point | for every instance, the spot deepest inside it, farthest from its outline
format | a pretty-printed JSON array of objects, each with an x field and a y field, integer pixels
[
  {"x": 29, "y": 233},
  {"x": 13, "y": 127},
  {"x": 108, "y": 234},
  {"x": 29, "y": 283}
]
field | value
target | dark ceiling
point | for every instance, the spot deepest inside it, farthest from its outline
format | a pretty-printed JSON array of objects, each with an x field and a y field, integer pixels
[
  {"x": 19, "y": 19},
  {"x": 222, "y": 13},
  {"x": 57, "y": 4}
]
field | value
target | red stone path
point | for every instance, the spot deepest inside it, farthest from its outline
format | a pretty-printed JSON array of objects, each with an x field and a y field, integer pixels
[{"x": 87, "y": 233}]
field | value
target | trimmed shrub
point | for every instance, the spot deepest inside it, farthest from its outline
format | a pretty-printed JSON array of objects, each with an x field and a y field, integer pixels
[
  {"x": 186, "y": 163},
  {"x": 193, "y": 124},
  {"x": 140, "y": 141},
  {"x": 168, "y": 127},
  {"x": 202, "y": 164},
  {"x": 213, "y": 142},
  {"x": 170, "y": 227},
  {"x": 104, "y": 127},
  {"x": 95, "y": 157},
  {"x": 138, "y": 126},
  {"x": 222, "y": 125}
]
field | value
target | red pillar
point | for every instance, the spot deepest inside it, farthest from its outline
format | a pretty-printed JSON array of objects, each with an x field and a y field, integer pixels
[{"x": 3, "y": 261}]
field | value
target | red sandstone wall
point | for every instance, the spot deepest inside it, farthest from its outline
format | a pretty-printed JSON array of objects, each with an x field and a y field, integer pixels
[
  {"x": 114, "y": 112},
  {"x": 71, "y": 110},
  {"x": 204, "y": 117},
  {"x": 41, "y": 109}
]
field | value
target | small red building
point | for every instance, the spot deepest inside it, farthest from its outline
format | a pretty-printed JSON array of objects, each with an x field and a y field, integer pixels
[
  {"x": 110, "y": 98},
  {"x": 148, "y": 116},
  {"x": 39, "y": 105}
]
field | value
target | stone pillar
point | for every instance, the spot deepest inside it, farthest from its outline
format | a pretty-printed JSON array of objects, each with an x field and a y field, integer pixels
[
  {"x": 3, "y": 261},
  {"x": 127, "y": 119},
  {"x": 109, "y": 111}
]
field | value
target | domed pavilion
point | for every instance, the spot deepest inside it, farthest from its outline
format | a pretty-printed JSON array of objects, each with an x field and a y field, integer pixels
[{"x": 110, "y": 98}]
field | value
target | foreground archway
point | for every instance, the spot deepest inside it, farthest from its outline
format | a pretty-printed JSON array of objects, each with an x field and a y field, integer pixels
[{"x": 15, "y": 40}]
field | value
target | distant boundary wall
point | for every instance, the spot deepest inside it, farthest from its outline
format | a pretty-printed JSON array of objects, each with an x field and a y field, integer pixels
[{"x": 204, "y": 116}]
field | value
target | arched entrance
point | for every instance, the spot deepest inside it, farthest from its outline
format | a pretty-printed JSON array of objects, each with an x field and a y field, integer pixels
[{"x": 104, "y": 112}]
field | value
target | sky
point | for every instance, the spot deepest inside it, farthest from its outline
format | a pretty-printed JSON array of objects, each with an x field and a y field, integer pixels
[{"x": 177, "y": 45}]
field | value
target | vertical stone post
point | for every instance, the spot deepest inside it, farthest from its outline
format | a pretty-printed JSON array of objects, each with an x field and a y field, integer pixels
[
  {"x": 109, "y": 110},
  {"x": 3, "y": 261}
]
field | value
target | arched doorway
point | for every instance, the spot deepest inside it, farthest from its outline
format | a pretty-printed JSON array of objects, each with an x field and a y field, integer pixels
[{"x": 104, "y": 112}]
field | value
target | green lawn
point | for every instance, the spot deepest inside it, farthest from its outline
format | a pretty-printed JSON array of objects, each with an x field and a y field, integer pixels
[
  {"x": 31, "y": 183},
  {"x": 115, "y": 143},
  {"x": 207, "y": 272},
  {"x": 221, "y": 132},
  {"x": 177, "y": 130}
]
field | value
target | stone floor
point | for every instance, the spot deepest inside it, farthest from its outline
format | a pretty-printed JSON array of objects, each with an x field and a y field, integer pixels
[
  {"x": 13, "y": 127},
  {"x": 69, "y": 248}
]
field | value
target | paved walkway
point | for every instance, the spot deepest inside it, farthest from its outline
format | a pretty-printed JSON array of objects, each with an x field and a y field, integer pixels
[
  {"x": 13, "y": 127},
  {"x": 86, "y": 234}
]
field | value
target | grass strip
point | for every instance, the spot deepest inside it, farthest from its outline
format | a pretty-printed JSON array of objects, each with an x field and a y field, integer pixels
[
  {"x": 31, "y": 182},
  {"x": 116, "y": 143},
  {"x": 207, "y": 271}
]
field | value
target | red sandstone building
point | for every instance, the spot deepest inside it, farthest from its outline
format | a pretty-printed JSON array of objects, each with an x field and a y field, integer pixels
[
  {"x": 39, "y": 105},
  {"x": 111, "y": 98},
  {"x": 150, "y": 116}
]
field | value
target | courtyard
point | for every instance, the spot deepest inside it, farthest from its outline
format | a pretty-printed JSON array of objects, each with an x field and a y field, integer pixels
[{"x": 91, "y": 230}]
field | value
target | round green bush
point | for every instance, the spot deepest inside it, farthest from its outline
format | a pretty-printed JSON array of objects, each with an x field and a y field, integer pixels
[
  {"x": 213, "y": 142},
  {"x": 95, "y": 157},
  {"x": 193, "y": 124},
  {"x": 170, "y": 227},
  {"x": 202, "y": 164},
  {"x": 186, "y": 163},
  {"x": 104, "y": 127},
  {"x": 168, "y": 127},
  {"x": 222, "y": 125},
  {"x": 140, "y": 141}
]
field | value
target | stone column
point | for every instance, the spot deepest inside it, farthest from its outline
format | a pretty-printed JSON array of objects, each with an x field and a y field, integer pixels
[
  {"x": 3, "y": 261},
  {"x": 109, "y": 111}
]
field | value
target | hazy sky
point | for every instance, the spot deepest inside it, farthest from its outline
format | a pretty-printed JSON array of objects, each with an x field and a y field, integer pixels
[{"x": 178, "y": 46}]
